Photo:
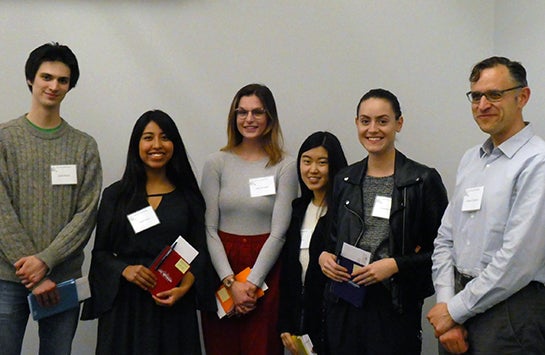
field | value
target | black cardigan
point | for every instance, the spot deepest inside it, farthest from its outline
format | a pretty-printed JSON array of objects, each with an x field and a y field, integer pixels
[{"x": 293, "y": 302}]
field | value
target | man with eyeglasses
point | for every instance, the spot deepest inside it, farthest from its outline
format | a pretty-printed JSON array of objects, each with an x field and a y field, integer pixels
[{"x": 489, "y": 257}]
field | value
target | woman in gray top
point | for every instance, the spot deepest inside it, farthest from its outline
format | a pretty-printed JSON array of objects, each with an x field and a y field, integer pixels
[{"x": 248, "y": 187}]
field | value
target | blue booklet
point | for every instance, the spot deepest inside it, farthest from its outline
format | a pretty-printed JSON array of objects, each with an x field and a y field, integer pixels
[
  {"x": 71, "y": 293},
  {"x": 351, "y": 258}
]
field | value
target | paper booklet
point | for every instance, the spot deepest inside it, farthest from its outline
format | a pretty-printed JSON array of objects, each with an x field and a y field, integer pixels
[
  {"x": 351, "y": 258},
  {"x": 172, "y": 264},
  {"x": 71, "y": 293},
  {"x": 304, "y": 344},
  {"x": 225, "y": 304}
]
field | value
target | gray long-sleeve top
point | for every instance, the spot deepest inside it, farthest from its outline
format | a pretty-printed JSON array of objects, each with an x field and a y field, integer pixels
[{"x": 230, "y": 208}]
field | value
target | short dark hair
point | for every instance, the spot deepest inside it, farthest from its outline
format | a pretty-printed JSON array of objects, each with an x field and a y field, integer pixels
[
  {"x": 335, "y": 157},
  {"x": 382, "y": 94},
  {"x": 51, "y": 52},
  {"x": 517, "y": 71}
]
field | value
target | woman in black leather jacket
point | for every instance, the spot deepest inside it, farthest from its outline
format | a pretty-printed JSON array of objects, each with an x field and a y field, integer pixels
[
  {"x": 302, "y": 282},
  {"x": 391, "y": 207}
]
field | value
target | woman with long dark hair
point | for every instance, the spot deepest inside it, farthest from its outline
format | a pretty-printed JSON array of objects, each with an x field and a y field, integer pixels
[
  {"x": 301, "y": 281},
  {"x": 131, "y": 320}
]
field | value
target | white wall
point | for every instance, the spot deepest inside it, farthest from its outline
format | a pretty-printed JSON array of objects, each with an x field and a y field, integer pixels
[{"x": 318, "y": 57}]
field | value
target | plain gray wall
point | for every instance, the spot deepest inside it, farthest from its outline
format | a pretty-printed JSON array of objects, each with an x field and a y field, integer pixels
[{"x": 189, "y": 58}]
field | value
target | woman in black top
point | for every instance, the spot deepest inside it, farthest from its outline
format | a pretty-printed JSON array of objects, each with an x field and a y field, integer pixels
[
  {"x": 130, "y": 319},
  {"x": 302, "y": 282}
]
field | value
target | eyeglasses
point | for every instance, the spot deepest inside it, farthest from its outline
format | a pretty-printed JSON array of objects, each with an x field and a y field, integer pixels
[
  {"x": 257, "y": 113},
  {"x": 492, "y": 95}
]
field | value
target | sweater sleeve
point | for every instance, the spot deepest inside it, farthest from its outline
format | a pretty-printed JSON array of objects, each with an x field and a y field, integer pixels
[
  {"x": 14, "y": 241},
  {"x": 75, "y": 234},
  {"x": 210, "y": 186},
  {"x": 287, "y": 189}
]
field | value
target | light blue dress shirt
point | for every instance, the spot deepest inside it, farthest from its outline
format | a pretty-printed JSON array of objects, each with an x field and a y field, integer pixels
[{"x": 502, "y": 244}]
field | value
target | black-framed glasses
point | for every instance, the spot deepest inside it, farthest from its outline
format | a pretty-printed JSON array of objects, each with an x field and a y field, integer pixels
[
  {"x": 492, "y": 95},
  {"x": 257, "y": 113}
]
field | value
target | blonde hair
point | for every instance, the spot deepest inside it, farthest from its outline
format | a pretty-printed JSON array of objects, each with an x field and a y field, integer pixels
[{"x": 272, "y": 136}]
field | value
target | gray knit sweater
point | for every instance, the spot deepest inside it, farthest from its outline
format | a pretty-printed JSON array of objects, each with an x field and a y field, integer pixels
[{"x": 53, "y": 222}]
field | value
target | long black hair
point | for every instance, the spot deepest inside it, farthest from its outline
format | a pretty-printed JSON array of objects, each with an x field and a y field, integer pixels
[
  {"x": 132, "y": 190},
  {"x": 335, "y": 157}
]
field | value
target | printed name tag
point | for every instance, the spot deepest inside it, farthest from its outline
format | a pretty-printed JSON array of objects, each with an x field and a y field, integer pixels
[
  {"x": 64, "y": 174},
  {"x": 382, "y": 206},
  {"x": 262, "y": 186},
  {"x": 473, "y": 199},
  {"x": 143, "y": 219},
  {"x": 306, "y": 234}
]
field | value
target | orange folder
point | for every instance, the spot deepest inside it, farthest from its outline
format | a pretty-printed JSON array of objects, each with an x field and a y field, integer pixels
[{"x": 224, "y": 301}]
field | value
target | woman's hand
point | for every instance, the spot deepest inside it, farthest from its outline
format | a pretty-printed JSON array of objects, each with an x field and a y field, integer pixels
[
  {"x": 288, "y": 342},
  {"x": 140, "y": 275},
  {"x": 244, "y": 296},
  {"x": 375, "y": 272},
  {"x": 169, "y": 297},
  {"x": 330, "y": 268}
]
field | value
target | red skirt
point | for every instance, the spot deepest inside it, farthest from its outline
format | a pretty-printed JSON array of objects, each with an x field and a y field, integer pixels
[{"x": 253, "y": 333}]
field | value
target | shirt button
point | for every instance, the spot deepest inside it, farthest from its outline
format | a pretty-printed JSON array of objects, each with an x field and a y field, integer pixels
[{"x": 468, "y": 242}]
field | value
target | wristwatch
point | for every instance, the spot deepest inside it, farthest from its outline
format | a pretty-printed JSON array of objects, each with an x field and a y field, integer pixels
[{"x": 228, "y": 281}]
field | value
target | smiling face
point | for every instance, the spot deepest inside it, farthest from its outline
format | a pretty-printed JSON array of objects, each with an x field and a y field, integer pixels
[
  {"x": 50, "y": 85},
  {"x": 251, "y": 126},
  {"x": 155, "y": 147},
  {"x": 314, "y": 167},
  {"x": 377, "y": 126},
  {"x": 501, "y": 119}
]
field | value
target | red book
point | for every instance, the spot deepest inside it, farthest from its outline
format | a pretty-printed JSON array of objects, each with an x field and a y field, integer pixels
[{"x": 172, "y": 264}]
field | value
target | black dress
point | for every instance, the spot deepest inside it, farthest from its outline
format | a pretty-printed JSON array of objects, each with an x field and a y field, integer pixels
[{"x": 129, "y": 320}]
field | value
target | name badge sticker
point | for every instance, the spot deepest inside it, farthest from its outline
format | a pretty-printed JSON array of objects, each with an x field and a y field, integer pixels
[
  {"x": 64, "y": 174},
  {"x": 306, "y": 234},
  {"x": 143, "y": 219},
  {"x": 262, "y": 186},
  {"x": 382, "y": 206},
  {"x": 473, "y": 199}
]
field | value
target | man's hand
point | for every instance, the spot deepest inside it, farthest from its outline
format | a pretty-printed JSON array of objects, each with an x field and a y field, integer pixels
[
  {"x": 140, "y": 275},
  {"x": 455, "y": 340},
  {"x": 375, "y": 272},
  {"x": 440, "y": 319},
  {"x": 330, "y": 268},
  {"x": 46, "y": 293},
  {"x": 30, "y": 270}
]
